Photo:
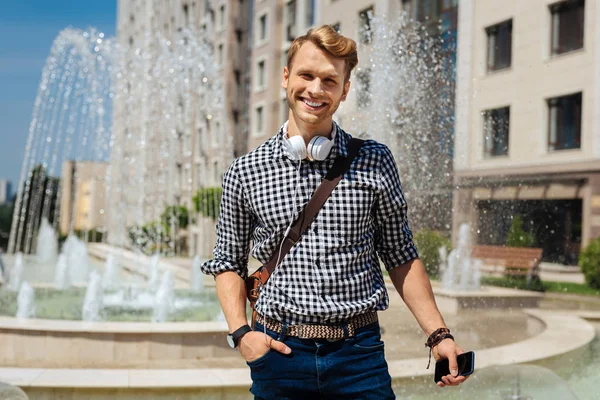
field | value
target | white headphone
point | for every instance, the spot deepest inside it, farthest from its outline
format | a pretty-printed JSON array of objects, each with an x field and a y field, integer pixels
[{"x": 318, "y": 148}]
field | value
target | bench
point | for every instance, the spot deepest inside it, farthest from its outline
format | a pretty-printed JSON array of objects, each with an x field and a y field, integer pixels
[{"x": 521, "y": 261}]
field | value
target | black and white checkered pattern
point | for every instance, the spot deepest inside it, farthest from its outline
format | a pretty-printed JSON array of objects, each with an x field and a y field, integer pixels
[{"x": 333, "y": 273}]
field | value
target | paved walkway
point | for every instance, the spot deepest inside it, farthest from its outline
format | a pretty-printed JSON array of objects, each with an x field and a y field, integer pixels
[{"x": 561, "y": 273}]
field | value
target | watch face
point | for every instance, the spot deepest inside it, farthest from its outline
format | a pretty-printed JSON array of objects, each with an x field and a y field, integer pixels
[{"x": 230, "y": 341}]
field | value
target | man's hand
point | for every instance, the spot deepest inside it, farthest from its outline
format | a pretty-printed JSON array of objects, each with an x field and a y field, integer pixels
[
  {"x": 255, "y": 344},
  {"x": 448, "y": 349}
]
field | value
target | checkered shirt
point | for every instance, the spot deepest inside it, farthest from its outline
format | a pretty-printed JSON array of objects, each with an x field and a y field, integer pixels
[{"x": 332, "y": 274}]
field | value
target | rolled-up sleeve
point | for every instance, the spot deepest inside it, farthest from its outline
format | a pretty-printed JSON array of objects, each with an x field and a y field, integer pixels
[
  {"x": 394, "y": 240},
  {"x": 234, "y": 229}
]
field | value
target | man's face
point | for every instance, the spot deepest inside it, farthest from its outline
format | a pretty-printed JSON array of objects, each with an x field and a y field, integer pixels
[{"x": 315, "y": 86}]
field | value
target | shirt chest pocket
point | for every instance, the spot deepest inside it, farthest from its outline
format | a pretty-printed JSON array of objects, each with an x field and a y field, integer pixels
[{"x": 352, "y": 203}]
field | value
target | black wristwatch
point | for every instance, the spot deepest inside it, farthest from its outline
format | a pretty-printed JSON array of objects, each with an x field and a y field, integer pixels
[{"x": 234, "y": 338}]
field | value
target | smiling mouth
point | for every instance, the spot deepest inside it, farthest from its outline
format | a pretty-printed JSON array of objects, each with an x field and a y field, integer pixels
[{"x": 314, "y": 105}]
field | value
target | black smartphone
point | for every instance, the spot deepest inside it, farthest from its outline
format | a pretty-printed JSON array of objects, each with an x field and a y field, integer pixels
[{"x": 466, "y": 366}]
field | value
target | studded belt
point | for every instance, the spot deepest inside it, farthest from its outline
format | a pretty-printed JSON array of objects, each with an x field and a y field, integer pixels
[{"x": 331, "y": 332}]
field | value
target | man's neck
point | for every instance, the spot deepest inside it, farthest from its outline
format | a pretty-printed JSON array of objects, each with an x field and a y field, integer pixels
[{"x": 308, "y": 131}]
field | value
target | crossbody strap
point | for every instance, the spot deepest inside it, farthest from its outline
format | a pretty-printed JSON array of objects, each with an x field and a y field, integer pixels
[{"x": 319, "y": 197}]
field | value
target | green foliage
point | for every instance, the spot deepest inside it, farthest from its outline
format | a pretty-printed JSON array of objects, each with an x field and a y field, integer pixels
[
  {"x": 148, "y": 238},
  {"x": 589, "y": 262},
  {"x": 428, "y": 243},
  {"x": 158, "y": 236},
  {"x": 207, "y": 201},
  {"x": 517, "y": 237},
  {"x": 515, "y": 282},
  {"x": 177, "y": 215}
]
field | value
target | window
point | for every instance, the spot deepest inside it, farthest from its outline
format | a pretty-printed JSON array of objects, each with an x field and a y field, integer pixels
[
  {"x": 220, "y": 55},
  {"x": 364, "y": 25},
  {"x": 363, "y": 80},
  {"x": 259, "y": 120},
  {"x": 337, "y": 27},
  {"x": 186, "y": 13},
  {"x": 222, "y": 16},
  {"x": 262, "y": 28},
  {"x": 496, "y": 127},
  {"x": 567, "y": 26},
  {"x": 291, "y": 20},
  {"x": 499, "y": 45},
  {"x": 261, "y": 75},
  {"x": 310, "y": 12},
  {"x": 564, "y": 125}
]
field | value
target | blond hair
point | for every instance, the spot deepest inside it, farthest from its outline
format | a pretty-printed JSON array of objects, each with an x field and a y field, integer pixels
[{"x": 329, "y": 40}]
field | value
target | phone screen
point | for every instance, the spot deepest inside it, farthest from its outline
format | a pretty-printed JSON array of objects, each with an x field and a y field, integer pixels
[{"x": 466, "y": 365}]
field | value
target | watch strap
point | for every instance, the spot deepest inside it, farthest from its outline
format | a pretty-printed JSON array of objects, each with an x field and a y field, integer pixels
[{"x": 238, "y": 333}]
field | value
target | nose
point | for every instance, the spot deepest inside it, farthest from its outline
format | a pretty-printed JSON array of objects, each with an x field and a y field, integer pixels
[{"x": 316, "y": 87}]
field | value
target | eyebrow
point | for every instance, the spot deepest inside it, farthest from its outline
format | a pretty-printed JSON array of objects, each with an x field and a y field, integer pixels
[{"x": 307, "y": 71}]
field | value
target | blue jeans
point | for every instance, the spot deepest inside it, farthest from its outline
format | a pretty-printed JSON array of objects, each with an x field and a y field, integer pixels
[{"x": 351, "y": 368}]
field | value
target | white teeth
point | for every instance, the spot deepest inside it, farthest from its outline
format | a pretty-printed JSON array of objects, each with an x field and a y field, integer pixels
[{"x": 310, "y": 103}]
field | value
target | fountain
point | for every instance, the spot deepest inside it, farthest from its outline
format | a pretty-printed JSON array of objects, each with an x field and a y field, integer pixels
[
  {"x": 112, "y": 272},
  {"x": 153, "y": 272},
  {"x": 196, "y": 282},
  {"x": 77, "y": 259},
  {"x": 164, "y": 302},
  {"x": 16, "y": 272},
  {"x": 92, "y": 304},
  {"x": 61, "y": 280},
  {"x": 26, "y": 302},
  {"x": 414, "y": 118},
  {"x": 46, "y": 247},
  {"x": 459, "y": 271}
]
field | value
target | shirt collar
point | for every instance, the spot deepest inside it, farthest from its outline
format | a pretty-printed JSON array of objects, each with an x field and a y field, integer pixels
[{"x": 339, "y": 146}]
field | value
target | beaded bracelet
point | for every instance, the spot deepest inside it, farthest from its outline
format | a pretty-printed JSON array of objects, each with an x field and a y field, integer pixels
[{"x": 435, "y": 338}]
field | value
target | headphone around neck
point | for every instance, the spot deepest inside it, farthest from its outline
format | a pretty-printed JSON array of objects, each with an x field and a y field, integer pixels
[{"x": 318, "y": 148}]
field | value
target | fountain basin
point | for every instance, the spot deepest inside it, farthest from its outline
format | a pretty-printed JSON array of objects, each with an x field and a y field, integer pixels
[
  {"x": 53, "y": 343},
  {"x": 455, "y": 301},
  {"x": 130, "y": 303},
  {"x": 565, "y": 334}
]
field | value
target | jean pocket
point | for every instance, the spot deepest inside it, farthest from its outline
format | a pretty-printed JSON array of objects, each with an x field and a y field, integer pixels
[
  {"x": 364, "y": 347},
  {"x": 368, "y": 339},
  {"x": 259, "y": 359}
]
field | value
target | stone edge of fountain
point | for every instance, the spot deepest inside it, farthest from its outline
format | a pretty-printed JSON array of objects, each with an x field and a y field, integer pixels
[
  {"x": 50, "y": 325},
  {"x": 564, "y": 333}
]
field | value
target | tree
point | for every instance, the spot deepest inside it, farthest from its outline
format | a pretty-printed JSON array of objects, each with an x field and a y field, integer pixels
[
  {"x": 178, "y": 215},
  {"x": 517, "y": 237},
  {"x": 207, "y": 201}
]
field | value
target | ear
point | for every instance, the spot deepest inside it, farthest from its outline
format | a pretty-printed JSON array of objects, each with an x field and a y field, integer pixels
[
  {"x": 286, "y": 76},
  {"x": 346, "y": 90}
]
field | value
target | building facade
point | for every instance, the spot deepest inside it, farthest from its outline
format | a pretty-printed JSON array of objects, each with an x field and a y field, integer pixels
[
  {"x": 178, "y": 130},
  {"x": 527, "y": 122},
  {"x": 5, "y": 191},
  {"x": 83, "y": 197}
]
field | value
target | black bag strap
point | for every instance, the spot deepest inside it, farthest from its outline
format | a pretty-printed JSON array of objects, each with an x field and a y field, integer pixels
[{"x": 319, "y": 197}]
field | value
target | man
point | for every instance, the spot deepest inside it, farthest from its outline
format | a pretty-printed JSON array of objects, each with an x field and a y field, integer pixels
[{"x": 317, "y": 334}]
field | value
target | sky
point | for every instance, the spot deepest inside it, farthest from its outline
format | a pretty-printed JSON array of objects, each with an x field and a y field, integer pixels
[{"x": 27, "y": 30}]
